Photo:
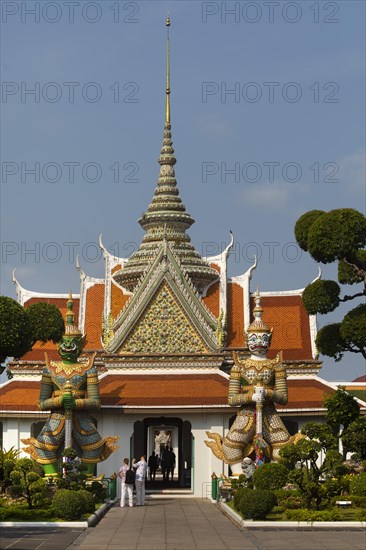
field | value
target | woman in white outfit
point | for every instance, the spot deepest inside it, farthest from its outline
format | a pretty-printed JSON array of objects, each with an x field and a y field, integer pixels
[{"x": 126, "y": 489}]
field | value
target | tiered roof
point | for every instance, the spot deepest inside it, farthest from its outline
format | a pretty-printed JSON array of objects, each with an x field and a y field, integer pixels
[{"x": 165, "y": 322}]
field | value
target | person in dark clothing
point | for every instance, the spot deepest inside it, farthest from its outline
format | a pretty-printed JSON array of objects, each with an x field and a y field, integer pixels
[
  {"x": 153, "y": 464},
  {"x": 165, "y": 463},
  {"x": 171, "y": 463}
]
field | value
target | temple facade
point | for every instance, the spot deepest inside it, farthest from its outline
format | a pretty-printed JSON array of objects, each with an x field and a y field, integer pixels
[{"x": 164, "y": 324}]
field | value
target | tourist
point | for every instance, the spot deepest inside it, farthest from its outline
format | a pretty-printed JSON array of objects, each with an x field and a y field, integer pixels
[
  {"x": 171, "y": 463},
  {"x": 152, "y": 464},
  {"x": 165, "y": 463},
  {"x": 141, "y": 471},
  {"x": 126, "y": 488}
]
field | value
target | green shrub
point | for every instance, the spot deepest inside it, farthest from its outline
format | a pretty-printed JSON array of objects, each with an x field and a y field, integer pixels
[
  {"x": 256, "y": 503},
  {"x": 358, "y": 502},
  {"x": 278, "y": 510},
  {"x": 270, "y": 476},
  {"x": 313, "y": 515},
  {"x": 292, "y": 500},
  {"x": 68, "y": 504},
  {"x": 89, "y": 502},
  {"x": 22, "y": 513},
  {"x": 361, "y": 515},
  {"x": 241, "y": 482},
  {"x": 238, "y": 495},
  {"x": 98, "y": 490},
  {"x": 357, "y": 485}
]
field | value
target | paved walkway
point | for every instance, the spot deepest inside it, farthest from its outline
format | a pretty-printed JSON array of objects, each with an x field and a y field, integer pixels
[
  {"x": 33, "y": 538},
  {"x": 193, "y": 524},
  {"x": 179, "y": 524}
]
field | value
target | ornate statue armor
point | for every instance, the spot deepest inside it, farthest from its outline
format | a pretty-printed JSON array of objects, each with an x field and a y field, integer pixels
[
  {"x": 255, "y": 385},
  {"x": 69, "y": 389}
]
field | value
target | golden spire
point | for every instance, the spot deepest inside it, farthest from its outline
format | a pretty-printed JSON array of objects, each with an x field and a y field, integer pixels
[
  {"x": 166, "y": 219},
  {"x": 167, "y": 108}
]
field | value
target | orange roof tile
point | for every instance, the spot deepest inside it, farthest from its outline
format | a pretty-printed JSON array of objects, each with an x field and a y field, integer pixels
[
  {"x": 19, "y": 395},
  {"x": 212, "y": 299},
  {"x": 291, "y": 326},
  {"x": 118, "y": 300},
  {"x": 165, "y": 390},
  {"x": 306, "y": 394},
  {"x": 235, "y": 320},
  {"x": 93, "y": 316}
]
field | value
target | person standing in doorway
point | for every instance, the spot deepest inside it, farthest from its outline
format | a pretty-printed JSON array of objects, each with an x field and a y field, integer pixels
[
  {"x": 126, "y": 488},
  {"x": 165, "y": 464},
  {"x": 171, "y": 463},
  {"x": 141, "y": 472},
  {"x": 152, "y": 464}
]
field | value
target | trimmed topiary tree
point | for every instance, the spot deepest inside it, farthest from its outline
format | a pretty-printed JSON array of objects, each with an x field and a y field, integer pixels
[
  {"x": 89, "y": 501},
  {"x": 336, "y": 236},
  {"x": 68, "y": 504},
  {"x": 238, "y": 496},
  {"x": 270, "y": 476},
  {"x": 27, "y": 483},
  {"x": 256, "y": 503}
]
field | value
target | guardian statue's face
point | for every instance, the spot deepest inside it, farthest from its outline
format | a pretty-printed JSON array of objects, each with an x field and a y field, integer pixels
[
  {"x": 259, "y": 342},
  {"x": 70, "y": 348}
]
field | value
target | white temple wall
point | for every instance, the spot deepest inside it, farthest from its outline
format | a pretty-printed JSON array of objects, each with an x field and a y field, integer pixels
[
  {"x": 15, "y": 429},
  {"x": 205, "y": 462},
  {"x": 121, "y": 423},
  {"x": 116, "y": 423}
]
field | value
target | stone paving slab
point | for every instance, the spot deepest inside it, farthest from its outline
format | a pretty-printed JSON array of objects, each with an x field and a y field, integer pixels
[
  {"x": 185, "y": 524},
  {"x": 179, "y": 524},
  {"x": 31, "y": 538}
]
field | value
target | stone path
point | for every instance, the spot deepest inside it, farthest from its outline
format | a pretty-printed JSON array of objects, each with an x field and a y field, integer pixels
[
  {"x": 26, "y": 538},
  {"x": 178, "y": 524},
  {"x": 185, "y": 524}
]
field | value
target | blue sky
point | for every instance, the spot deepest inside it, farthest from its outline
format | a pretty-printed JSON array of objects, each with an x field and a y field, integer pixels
[{"x": 291, "y": 131}]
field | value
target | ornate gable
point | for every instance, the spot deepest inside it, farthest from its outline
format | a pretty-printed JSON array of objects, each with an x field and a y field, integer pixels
[
  {"x": 164, "y": 328},
  {"x": 164, "y": 296}
]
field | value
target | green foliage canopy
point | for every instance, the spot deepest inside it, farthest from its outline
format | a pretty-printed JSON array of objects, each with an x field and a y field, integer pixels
[
  {"x": 321, "y": 297},
  {"x": 28, "y": 483},
  {"x": 342, "y": 409},
  {"x": 15, "y": 332},
  {"x": 338, "y": 235},
  {"x": 354, "y": 438},
  {"x": 303, "y": 225},
  {"x": 20, "y": 327},
  {"x": 46, "y": 322},
  {"x": 271, "y": 476}
]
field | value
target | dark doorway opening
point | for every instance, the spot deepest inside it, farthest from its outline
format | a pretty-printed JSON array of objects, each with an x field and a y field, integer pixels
[{"x": 154, "y": 434}]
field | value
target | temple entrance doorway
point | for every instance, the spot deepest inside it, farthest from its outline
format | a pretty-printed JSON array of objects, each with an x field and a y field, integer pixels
[{"x": 171, "y": 440}]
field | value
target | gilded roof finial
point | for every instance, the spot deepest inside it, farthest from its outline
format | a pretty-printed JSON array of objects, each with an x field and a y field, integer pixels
[
  {"x": 258, "y": 325},
  {"x": 70, "y": 328},
  {"x": 167, "y": 108}
]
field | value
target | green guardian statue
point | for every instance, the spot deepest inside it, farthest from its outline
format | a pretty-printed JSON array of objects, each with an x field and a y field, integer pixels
[{"x": 70, "y": 390}]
